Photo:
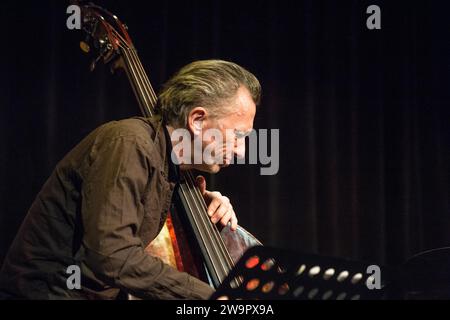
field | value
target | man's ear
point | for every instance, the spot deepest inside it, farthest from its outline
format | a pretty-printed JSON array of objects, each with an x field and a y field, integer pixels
[{"x": 195, "y": 120}]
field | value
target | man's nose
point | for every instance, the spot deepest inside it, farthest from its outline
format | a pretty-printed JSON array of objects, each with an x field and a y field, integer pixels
[{"x": 239, "y": 148}]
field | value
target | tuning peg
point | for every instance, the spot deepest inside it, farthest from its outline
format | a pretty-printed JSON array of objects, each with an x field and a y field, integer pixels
[
  {"x": 94, "y": 63},
  {"x": 85, "y": 47}
]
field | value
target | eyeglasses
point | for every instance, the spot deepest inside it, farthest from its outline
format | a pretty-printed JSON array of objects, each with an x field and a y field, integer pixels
[{"x": 238, "y": 134}]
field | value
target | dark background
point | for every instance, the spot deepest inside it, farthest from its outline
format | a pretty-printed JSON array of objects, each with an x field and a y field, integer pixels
[{"x": 363, "y": 115}]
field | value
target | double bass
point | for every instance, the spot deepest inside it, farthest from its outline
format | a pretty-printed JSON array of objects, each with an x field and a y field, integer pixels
[{"x": 189, "y": 240}]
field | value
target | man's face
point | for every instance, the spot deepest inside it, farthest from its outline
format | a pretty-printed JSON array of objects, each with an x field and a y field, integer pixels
[{"x": 218, "y": 153}]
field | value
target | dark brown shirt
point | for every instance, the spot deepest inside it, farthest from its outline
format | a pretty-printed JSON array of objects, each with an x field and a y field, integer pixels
[{"x": 103, "y": 203}]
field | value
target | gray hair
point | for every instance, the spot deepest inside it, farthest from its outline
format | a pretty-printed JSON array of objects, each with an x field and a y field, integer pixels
[{"x": 207, "y": 83}]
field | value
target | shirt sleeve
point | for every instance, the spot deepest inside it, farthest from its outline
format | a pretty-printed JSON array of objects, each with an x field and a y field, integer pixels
[{"x": 111, "y": 197}]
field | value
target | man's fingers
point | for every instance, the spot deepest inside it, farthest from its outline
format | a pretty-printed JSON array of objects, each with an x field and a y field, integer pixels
[
  {"x": 215, "y": 203},
  {"x": 220, "y": 212},
  {"x": 226, "y": 217},
  {"x": 201, "y": 184},
  {"x": 234, "y": 221},
  {"x": 216, "y": 200},
  {"x": 220, "y": 209}
]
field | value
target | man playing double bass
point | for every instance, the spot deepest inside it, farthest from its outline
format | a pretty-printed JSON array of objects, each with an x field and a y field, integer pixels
[{"x": 109, "y": 196}]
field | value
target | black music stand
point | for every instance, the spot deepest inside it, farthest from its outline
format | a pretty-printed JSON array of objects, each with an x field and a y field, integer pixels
[
  {"x": 424, "y": 276},
  {"x": 268, "y": 273}
]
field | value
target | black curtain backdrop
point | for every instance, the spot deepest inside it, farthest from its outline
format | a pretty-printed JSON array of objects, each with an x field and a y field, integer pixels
[{"x": 363, "y": 115}]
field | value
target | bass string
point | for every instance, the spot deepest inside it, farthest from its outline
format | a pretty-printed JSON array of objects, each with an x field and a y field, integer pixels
[{"x": 217, "y": 241}]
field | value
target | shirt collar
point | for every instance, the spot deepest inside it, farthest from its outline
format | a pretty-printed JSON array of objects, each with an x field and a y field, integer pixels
[{"x": 174, "y": 169}]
